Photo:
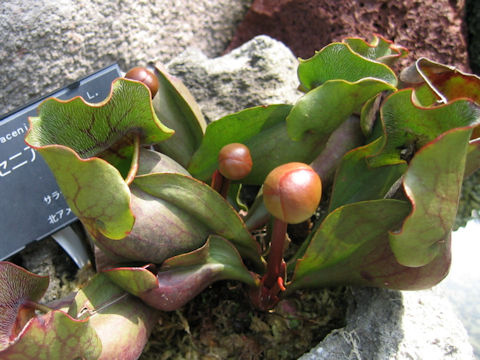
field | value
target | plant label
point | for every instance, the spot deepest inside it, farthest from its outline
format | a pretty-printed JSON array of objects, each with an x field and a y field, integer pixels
[{"x": 32, "y": 204}]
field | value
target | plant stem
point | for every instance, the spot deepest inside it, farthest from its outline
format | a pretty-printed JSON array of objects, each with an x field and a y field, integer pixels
[
  {"x": 275, "y": 257},
  {"x": 266, "y": 295},
  {"x": 220, "y": 183},
  {"x": 225, "y": 187},
  {"x": 36, "y": 306}
]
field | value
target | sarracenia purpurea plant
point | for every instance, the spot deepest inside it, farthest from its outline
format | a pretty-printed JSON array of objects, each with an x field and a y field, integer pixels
[{"x": 157, "y": 190}]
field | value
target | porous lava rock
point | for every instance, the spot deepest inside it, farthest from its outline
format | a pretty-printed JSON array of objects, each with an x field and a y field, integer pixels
[{"x": 430, "y": 28}]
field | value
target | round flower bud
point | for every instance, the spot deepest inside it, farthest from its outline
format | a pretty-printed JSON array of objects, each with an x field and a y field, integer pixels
[
  {"x": 292, "y": 192},
  {"x": 145, "y": 76},
  {"x": 234, "y": 161}
]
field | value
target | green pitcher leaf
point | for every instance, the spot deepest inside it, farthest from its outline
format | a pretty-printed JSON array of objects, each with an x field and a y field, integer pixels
[
  {"x": 356, "y": 181},
  {"x": 55, "y": 336},
  {"x": 447, "y": 82},
  {"x": 424, "y": 96},
  {"x": 161, "y": 230},
  {"x": 338, "y": 61},
  {"x": 433, "y": 183},
  {"x": 18, "y": 287},
  {"x": 67, "y": 133},
  {"x": 26, "y": 333},
  {"x": 342, "y": 233},
  {"x": 152, "y": 162},
  {"x": 378, "y": 49},
  {"x": 374, "y": 264},
  {"x": 183, "y": 277},
  {"x": 89, "y": 129},
  {"x": 122, "y": 322},
  {"x": 263, "y": 130},
  {"x": 123, "y": 155},
  {"x": 94, "y": 190},
  {"x": 204, "y": 204},
  {"x": 369, "y": 114},
  {"x": 134, "y": 280},
  {"x": 408, "y": 127},
  {"x": 323, "y": 109},
  {"x": 177, "y": 109}
]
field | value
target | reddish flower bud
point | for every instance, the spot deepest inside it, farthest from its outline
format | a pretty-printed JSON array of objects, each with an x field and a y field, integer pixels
[
  {"x": 234, "y": 161},
  {"x": 145, "y": 76},
  {"x": 292, "y": 192}
]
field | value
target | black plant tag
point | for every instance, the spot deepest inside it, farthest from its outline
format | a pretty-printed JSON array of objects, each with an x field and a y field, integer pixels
[{"x": 32, "y": 206}]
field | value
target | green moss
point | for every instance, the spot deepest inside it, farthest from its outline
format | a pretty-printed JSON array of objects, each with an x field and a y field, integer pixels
[{"x": 221, "y": 324}]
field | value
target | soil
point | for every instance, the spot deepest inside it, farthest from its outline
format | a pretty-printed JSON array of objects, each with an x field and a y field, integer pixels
[{"x": 221, "y": 324}]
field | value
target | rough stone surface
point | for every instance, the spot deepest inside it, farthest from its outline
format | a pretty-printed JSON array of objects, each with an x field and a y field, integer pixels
[
  {"x": 431, "y": 28},
  {"x": 392, "y": 325},
  {"x": 381, "y": 324},
  {"x": 261, "y": 72},
  {"x": 47, "y": 44}
]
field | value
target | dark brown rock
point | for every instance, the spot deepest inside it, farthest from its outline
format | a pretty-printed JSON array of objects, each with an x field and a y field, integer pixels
[
  {"x": 430, "y": 28},
  {"x": 473, "y": 23}
]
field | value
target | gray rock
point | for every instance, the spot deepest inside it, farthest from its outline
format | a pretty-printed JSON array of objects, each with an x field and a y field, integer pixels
[
  {"x": 50, "y": 43},
  {"x": 260, "y": 72},
  {"x": 381, "y": 324},
  {"x": 393, "y": 325}
]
